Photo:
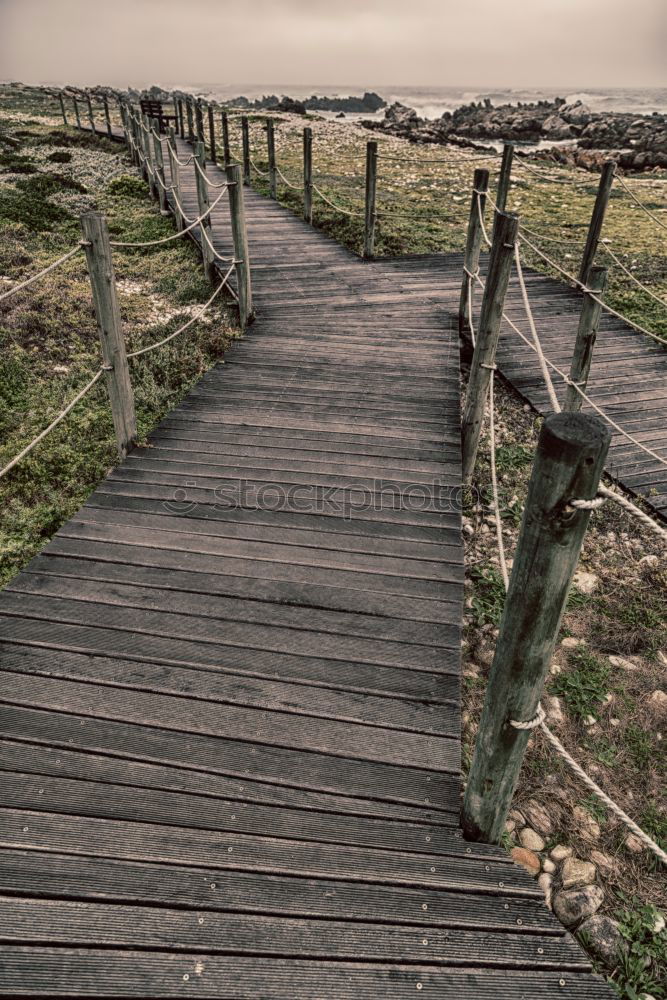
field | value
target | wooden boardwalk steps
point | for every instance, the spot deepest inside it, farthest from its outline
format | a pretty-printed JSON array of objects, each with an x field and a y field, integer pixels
[{"x": 230, "y": 705}]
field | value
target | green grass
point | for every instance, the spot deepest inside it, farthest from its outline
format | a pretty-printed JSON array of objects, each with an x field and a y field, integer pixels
[
  {"x": 489, "y": 595},
  {"x": 583, "y": 684},
  {"x": 643, "y": 966}
]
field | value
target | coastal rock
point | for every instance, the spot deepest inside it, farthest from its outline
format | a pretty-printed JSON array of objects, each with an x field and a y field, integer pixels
[
  {"x": 531, "y": 840},
  {"x": 603, "y": 938},
  {"x": 538, "y": 817},
  {"x": 527, "y": 859},
  {"x": 399, "y": 114},
  {"x": 573, "y": 905},
  {"x": 555, "y": 127},
  {"x": 576, "y": 872}
]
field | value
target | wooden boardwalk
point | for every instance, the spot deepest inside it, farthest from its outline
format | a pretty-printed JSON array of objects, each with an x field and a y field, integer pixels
[{"x": 230, "y": 699}]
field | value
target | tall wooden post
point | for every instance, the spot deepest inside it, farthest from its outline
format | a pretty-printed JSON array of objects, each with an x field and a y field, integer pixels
[
  {"x": 271, "y": 149},
  {"x": 225, "y": 138},
  {"x": 91, "y": 117},
  {"x": 175, "y": 175},
  {"x": 589, "y": 321},
  {"x": 62, "y": 108},
  {"x": 150, "y": 158},
  {"x": 181, "y": 120},
  {"x": 191, "y": 124},
  {"x": 370, "y": 216},
  {"x": 107, "y": 116},
  {"x": 240, "y": 235},
  {"x": 203, "y": 201},
  {"x": 158, "y": 159},
  {"x": 497, "y": 279},
  {"x": 568, "y": 464},
  {"x": 504, "y": 176},
  {"x": 245, "y": 138},
  {"x": 597, "y": 219},
  {"x": 107, "y": 311},
  {"x": 76, "y": 111},
  {"x": 199, "y": 120},
  {"x": 480, "y": 186},
  {"x": 211, "y": 134},
  {"x": 308, "y": 175}
]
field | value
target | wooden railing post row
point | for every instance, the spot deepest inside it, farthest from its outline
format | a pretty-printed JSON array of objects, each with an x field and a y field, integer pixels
[
  {"x": 204, "y": 202},
  {"x": 570, "y": 456},
  {"x": 245, "y": 141},
  {"x": 175, "y": 174},
  {"x": 107, "y": 311},
  {"x": 240, "y": 236},
  {"x": 211, "y": 133},
  {"x": 480, "y": 186},
  {"x": 76, "y": 111},
  {"x": 589, "y": 321},
  {"x": 271, "y": 151},
  {"x": 90, "y": 113},
  {"x": 308, "y": 174},
  {"x": 159, "y": 168},
  {"x": 504, "y": 176},
  {"x": 370, "y": 216},
  {"x": 597, "y": 219},
  {"x": 62, "y": 108},
  {"x": 226, "y": 151},
  {"x": 107, "y": 114},
  {"x": 484, "y": 356}
]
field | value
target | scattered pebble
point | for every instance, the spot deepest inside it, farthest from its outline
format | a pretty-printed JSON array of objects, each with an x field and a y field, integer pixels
[
  {"x": 527, "y": 859},
  {"x": 530, "y": 839},
  {"x": 576, "y": 872}
]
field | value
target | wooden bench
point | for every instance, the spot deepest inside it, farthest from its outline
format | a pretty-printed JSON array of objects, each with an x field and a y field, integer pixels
[{"x": 153, "y": 109}]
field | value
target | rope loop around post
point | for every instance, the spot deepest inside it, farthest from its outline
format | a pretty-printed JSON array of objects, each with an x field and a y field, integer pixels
[{"x": 533, "y": 723}]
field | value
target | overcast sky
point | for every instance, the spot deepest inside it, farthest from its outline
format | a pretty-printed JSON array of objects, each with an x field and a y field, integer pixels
[{"x": 358, "y": 43}]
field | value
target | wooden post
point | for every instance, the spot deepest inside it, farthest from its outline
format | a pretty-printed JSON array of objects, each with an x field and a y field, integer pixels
[
  {"x": 240, "y": 235},
  {"x": 225, "y": 138},
  {"x": 245, "y": 136},
  {"x": 568, "y": 463},
  {"x": 504, "y": 176},
  {"x": 76, "y": 112},
  {"x": 371, "y": 187},
  {"x": 191, "y": 124},
  {"x": 211, "y": 134},
  {"x": 90, "y": 113},
  {"x": 62, "y": 108},
  {"x": 480, "y": 186},
  {"x": 597, "y": 219},
  {"x": 204, "y": 202},
  {"x": 499, "y": 267},
  {"x": 134, "y": 131},
  {"x": 158, "y": 158},
  {"x": 174, "y": 172},
  {"x": 589, "y": 321},
  {"x": 181, "y": 119},
  {"x": 308, "y": 175},
  {"x": 150, "y": 158},
  {"x": 199, "y": 120},
  {"x": 107, "y": 116},
  {"x": 271, "y": 148},
  {"x": 107, "y": 311}
]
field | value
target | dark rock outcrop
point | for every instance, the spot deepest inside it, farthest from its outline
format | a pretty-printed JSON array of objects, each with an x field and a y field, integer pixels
[{"x": 369, "y": 103}]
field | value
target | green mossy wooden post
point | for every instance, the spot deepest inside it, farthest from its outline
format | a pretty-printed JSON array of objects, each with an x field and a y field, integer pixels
[
  {"x": 150, "y": 157},
  {"x": 495, "y": 289},
  {"x": 245, "y": 139},
  {"x": 211, "y": 134},
  {"x": 190, "y": 116},
  {"x": 570, "y": 456},
  {"x": 240, "y": 236},
  {"x": 480, "y": 186},
  {"x": 204, "y": 202},
  {"x": 180, "y": 118},
  {"x": 107, "y": 115},
  {"x": 62, "y": 108},
  {"x": 76, "y": 112},
  {"x": 107, "y": 311},
  {"x": 504, "y": 176},
  {"x": 175, "y": 174},
  {"x": 308, "y": 175},
  {"x": 199, "y": 120},
  {"x": 224, "y": 122},
  {"x": 370, "y": 216},
  {"x": 158, "y": 159},
  {"x": 271, "y": 151},
  {"x": 597, "y": 219},
  {"x": 589, "y": 321},
  {"x": 91, "y": 117}
]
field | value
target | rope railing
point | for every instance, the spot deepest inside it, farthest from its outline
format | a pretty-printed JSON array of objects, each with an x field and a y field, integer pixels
[
  {"x": 641, "y": 204},
  {"x": 174, "y": 236},
  {"x": 339, "y": 208},
  {"x": 54, "y": 423},
  {"x": 550, "y": 179},
  {"x": 640, "y": 284},
  {"x": 40, "y": 274}
]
